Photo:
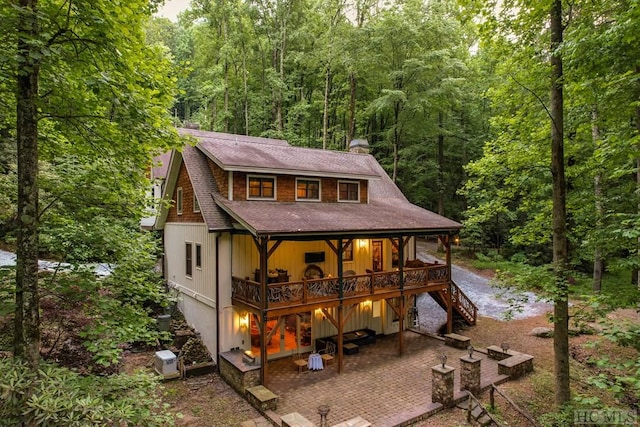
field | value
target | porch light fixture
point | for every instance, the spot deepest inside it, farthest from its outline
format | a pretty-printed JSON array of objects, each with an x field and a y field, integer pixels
[
  {"x": 367, "y": 304},
  {"x": 362, "y": 243},
  {"x": 443, "y": 359},
  {"x": 244, "y": 321},
  {"x": 504, "y": 346},
  {"x": 470, "y": 350}
]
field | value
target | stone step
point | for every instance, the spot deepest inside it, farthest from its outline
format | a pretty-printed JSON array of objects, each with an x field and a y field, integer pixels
[
  {"x": 484, "y": 420},
  {"x": 477, "y": 412}
]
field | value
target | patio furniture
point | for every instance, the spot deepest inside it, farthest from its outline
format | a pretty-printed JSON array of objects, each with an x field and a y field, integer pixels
[
  {"x": 313, "y": 272},
  {"x": 315, "y": 362},
  {"x": 350, "y": 348},
  {"x": 329, "y": 352},
  {"x": 300, "y": 362}
]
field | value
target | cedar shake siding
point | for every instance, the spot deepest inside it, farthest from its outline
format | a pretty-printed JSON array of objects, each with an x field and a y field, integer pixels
[
  {"x": 187, "y": 200},
  {"x": 286, "y": 187},
  {"x": 221, "y": 177}
]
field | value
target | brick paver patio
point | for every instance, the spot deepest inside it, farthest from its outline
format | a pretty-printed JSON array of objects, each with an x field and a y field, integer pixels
[{"x": 376, "y": 384}]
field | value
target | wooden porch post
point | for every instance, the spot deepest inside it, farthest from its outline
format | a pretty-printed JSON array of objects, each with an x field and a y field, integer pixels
[
  {"x": 264, "y": 304},
  {"x": 340, "y": 338},
  {"x": 447, "y": 245},
  {"x": 401, "y": 337},
  {"x": 401, "y": 243}
]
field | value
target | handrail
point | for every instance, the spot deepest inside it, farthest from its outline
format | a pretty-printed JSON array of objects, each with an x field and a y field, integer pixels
[
  {"x": 463, "y": 304},
  {"x": 472, "y": 398},
  {"x": 492, "y": 404},
  {"x": 327, "y": 288}
]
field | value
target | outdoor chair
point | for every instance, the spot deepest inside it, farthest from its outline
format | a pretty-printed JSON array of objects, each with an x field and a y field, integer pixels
[
  {"x": 328, "y": 353},
  {"x": 300, "y": 362}
]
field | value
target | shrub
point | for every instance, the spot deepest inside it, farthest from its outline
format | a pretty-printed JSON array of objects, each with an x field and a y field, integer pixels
[{"x": 56, "y": 396}]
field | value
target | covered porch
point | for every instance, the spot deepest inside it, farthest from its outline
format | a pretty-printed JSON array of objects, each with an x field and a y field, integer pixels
[{"x": 335, "y": 303}]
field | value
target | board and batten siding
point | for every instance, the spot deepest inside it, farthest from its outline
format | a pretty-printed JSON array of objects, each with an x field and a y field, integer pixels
[
  {"x": 202, "y": 280},
  {"x": 290, "y": 256}
]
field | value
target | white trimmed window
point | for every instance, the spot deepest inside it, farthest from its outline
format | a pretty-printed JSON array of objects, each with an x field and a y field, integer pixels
[
  {"x": 188, "y": 271},
  {"x": 196, "y": 204},
  {"x": 261, "y": 187},
  {"x": 307, "y": 189},
  {"x": 348, "y": 191},
  {"x": 179, "y": 200},
  {"x": 198, "y": 256}
]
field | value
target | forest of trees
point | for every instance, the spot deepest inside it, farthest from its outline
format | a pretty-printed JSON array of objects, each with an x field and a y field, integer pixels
[
  {"x": 453, "y": 97},
  {"x": 518, "y": 118}
]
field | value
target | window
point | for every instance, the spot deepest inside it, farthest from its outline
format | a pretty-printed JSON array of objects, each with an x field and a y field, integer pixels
[
  {"x": 347, "y": 254},
  {"x": 196, "y": 205},
  {"x": 189, "y": 260},
  {"x": 307, "y": 189},
  {"x": 179, "y": 200},
  {"x": 198, "y": 255},
  {"x": 348, "y": 191},
  {"x": 395, "y": 252},
  {"x": 261, "y": 188}
]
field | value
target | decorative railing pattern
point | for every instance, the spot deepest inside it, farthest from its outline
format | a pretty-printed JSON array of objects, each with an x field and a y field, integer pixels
[
  {"x": 313, "y": 290},
  {"x": 463, "y": 304}
]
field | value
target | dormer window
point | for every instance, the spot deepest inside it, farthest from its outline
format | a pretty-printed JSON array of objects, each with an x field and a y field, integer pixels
[
  {"x": 348, "y": 191},
  {"x": 307, "y": 189},
  {"x": 261, "y": 187}
]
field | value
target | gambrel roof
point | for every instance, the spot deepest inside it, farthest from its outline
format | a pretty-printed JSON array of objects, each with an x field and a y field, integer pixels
[{"x": 388, "y": 212}]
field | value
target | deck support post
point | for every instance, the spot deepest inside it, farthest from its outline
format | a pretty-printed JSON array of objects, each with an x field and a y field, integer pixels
[
  {"x": 340, "y": 338},
  {"x": 447, "y": 245},
  {"x": 263, "y": 245}
]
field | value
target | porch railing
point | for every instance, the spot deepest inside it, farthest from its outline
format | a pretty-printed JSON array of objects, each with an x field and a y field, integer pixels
[{"x": 328, "y": 288}]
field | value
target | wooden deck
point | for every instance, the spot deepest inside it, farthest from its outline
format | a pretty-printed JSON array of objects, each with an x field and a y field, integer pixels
[{"x": 308, "y": 294}]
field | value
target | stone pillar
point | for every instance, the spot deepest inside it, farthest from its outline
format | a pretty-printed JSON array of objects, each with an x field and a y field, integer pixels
[
  {"x": 470, "y": 374},
  {"x": 442, "y": 384}
]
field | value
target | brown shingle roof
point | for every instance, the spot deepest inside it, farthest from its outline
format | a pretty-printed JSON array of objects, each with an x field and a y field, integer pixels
[
  {"x": 204, "y": 186},
  {"x": 387, "y": 212},
  {"x": 252, "y": 154}
]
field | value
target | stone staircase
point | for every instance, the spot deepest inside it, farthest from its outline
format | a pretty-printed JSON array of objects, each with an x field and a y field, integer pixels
[{"x": 478, "y": 415}]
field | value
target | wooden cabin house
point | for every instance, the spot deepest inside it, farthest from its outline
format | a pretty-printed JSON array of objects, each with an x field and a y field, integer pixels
[{"x": 273, "y": 248}]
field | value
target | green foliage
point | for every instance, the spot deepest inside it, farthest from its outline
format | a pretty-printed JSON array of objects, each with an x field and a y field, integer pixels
[
  {"x": 58, "y": 397},
  {"x": 562, "y": 417}
]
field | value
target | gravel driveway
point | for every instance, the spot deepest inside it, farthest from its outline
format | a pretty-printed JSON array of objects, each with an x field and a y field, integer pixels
[{"x": 492, "y": 302}]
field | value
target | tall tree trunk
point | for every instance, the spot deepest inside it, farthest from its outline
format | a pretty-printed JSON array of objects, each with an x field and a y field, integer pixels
[
  {"x": 246, "y": 90},
  {"x": 637, "y": 274},
  {"x": 560, "y": 250},
  {"x": 396, "y": 141},
  {"x": 440, "y": 163},
  {"x": 351, "y": 129},
  {"x": 598, "y": 262},
  {"x": 226, "y": 96},
  {"x": 325, "y": 117},
  {"x": 27, "y": 316}
]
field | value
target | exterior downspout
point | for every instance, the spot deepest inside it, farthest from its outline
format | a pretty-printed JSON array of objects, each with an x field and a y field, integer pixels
[
  {"x": 403, "y": 310},
  {"x": 447, "y": 245},
  {"x": 217, "y": 281}
]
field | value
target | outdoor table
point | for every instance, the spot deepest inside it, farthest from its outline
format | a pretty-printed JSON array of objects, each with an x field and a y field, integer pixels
[{"x": 315, "y": 362}]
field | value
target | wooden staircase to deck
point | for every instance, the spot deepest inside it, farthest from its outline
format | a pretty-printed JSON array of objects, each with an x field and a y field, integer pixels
[{"x": 463, "y": 307}]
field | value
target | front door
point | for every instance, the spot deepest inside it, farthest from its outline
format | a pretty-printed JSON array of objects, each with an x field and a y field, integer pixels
[
  {"x": 292, "y": 334},
  {"x": 376, "y": 255}
]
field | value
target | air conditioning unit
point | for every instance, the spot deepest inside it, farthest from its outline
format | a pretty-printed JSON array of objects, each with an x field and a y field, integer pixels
[{"x": 166, "y": 362}]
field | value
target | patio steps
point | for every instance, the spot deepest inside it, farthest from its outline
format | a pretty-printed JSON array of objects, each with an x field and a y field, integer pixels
[
  {"x": 478, "y": 413},
  {"x": 463, "y": 307}
]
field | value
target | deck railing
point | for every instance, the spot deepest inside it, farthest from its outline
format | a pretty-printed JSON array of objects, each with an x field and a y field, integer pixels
[{"x": 328, "y": 288}]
